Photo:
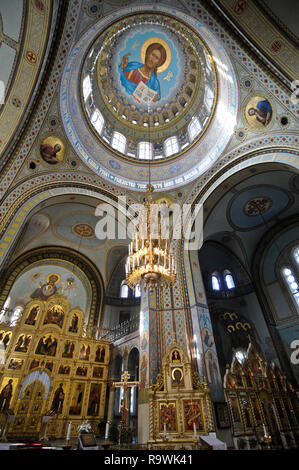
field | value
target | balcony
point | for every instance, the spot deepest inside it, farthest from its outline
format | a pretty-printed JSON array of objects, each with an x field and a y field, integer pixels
[{"x": 123, "y": 329}]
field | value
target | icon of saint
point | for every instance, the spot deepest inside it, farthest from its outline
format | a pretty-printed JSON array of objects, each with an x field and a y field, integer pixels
[
  {"x": 262, "y": 112},
  {"x": 133, "y": 73},
  {"x": 49, "y": 153}
]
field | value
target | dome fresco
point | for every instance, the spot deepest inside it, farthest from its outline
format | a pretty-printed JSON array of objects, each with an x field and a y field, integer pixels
[
  {"x": 176, "y": 98},
  {"x": 149, "y": 88}
]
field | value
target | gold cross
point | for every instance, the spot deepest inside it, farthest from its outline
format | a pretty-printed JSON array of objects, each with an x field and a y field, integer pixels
[{"x": 125, "y": 383}]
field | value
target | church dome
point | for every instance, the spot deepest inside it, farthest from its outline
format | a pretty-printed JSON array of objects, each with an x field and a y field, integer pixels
[{"x": 149, "y": 88}]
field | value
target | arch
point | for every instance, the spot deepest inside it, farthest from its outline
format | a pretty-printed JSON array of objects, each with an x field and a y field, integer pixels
[
  {"x": 239, "y": 159},
  {"x": 133, "y": 363},
  {"x": 37, "y": 375},
  {"x": 83, "y": 264},
  {"x": 124, "y": 290},
  {"x": 117, "y": 367},
  {"x": 232, "y": 162},
  {"x": 215, "y": 280},
  {"x": 34, "y": 193},
  {"x": 229, "y": 279}
]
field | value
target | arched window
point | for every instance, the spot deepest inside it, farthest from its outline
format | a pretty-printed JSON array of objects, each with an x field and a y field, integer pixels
[
  {"x": 97, "y": 120},
  {"x": 145, "y": 150},
  {"x": 229, "y": 280},
  {"x": 124, "y": 290},
  {"x": 86, "y": 87},
  {"x": 292, "y": 284},
  {"x": 118, "y": 142},
  {"x": 194, "y": 128},
  {"x": 240, "y": 355},
  {"x": 296, "y": 254},
  {"x": 215, "y": 282},
  {"x": 171, "y": 146},
  {"x": 137, "y": 291}
]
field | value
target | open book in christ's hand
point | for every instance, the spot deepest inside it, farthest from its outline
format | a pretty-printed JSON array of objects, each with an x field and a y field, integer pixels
[{"x": 143, "y": 93}]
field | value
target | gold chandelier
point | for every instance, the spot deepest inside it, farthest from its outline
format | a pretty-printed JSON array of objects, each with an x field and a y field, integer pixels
[{"x": 150, "y": 262}]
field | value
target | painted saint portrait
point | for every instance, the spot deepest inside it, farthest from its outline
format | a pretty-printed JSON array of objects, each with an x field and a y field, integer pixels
[
  {"x": 193, "y": 414},
  {"x": 73, "y": 328},
  {"x": 177, "y": 378},
  {"x": 23, "y": 343},
  {"x": 47, "y": 345},
  {"x": 58, "y": 399},
  {"x": 44, "y": 291},
  {"x": 5, "y": 337},
  {"x": 81, "y": 371},
  {"x": 34, "y": 364},
  {"x": 258, "y": 112},
  {"x": 100, "y": 354},
  {"x": 52, "y": 150},
  {"x": 77, "y": 400},
  {"x": 5, "y": 395},
  {"x": 31, "y": 319},
  {"x": 68, "y": 350},
  {"x": 168, "y": 416},
  {"x": 55, "y": 315},
  {"x": 94, "y": 400},
  {"x": 64, "y": 370},
  {"x": 15, "y": 364},
  {"x": 140, "y": 78},
  {"x": 98, "y": 372},
  {"x": 84, "y": 352}
]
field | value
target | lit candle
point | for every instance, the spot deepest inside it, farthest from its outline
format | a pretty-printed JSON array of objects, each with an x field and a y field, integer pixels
[
  {"x": 107, "y": 430},
  {"x": 194, "y": 429},
  {"x": 265, "y": 430},
  {"x": 69, "y": 431},
  {"x": 164, "y": 426}
]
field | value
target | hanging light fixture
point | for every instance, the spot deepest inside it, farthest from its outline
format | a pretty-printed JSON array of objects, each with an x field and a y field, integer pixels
[{"x": 150, "y": 262}]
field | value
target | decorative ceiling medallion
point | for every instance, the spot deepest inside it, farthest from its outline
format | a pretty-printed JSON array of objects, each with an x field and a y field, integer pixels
[
  {"x": 52, "y": 149},
  {"x": 257, "y": 205},
  {"x": 84, "y": 230},
  {"x": 258, "y": 113}
]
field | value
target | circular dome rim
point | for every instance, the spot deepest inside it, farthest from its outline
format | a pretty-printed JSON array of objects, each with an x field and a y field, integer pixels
[
  {"x": 195, "y": 162},
  {"x": 165, "y": 159}
]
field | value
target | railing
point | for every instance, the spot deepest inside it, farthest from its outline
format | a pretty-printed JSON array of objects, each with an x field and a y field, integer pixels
[
  {"x": 130, "y": 301},
  {"x": 123, "y": 329}
]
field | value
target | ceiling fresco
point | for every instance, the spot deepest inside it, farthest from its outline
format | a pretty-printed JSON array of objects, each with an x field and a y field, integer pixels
[
  {"x": 25, "y": 39},
  {"x": 193, "y": 82},
  {"x": 244, "y": 209},
  {"x": 36, "y": 282},
  {"x": 153, "y": 106}
]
